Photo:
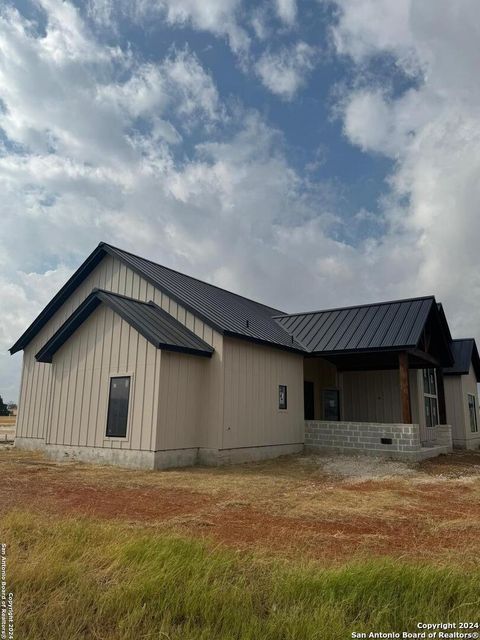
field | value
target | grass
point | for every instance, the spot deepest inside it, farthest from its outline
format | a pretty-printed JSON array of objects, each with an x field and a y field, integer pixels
[{"x": 80, "y": 578}]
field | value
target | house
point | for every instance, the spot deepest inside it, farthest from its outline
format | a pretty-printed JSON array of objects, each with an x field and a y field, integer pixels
[{"x": 136, "y": 364}]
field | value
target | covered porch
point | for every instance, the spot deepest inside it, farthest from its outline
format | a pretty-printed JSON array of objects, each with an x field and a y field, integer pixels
[
  {"x": 373, "y": 377},
  {"x": 399, "y": 412}
]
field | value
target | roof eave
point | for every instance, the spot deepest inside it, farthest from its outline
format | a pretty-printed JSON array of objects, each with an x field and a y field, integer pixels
[{"x": 266, "y": 343}]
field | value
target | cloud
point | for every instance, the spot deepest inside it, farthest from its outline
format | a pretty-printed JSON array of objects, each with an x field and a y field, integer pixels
[
  {"x": 285, "y": 71},
  {"x": 286, "y": 11},
  {"x": 219, "y": 17},
  {"x": 431, "y": 129}
]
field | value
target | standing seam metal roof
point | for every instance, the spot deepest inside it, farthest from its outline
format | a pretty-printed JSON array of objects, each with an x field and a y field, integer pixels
[
  {"x": 387, "y": 325},
  {"x": 465, "y": 353},
  {"x": 223, "y": 310},
  {"x": 155, "y": 324}
]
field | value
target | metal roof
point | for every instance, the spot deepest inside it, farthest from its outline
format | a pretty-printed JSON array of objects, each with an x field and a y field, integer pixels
[
  {"x": 391, "y": 325},
  {"x": 465, "y": 353},
  {"x": 152, "y": 322},
  {"x": 228, "y": 313}
]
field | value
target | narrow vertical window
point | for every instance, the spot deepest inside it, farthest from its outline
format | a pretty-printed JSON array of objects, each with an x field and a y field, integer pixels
[
  {"x": 472, "y": 410},
  {"x": 118, "y": 407},
  {"x": 430, "y": 395},
  {"x": 282, "y": 396}
]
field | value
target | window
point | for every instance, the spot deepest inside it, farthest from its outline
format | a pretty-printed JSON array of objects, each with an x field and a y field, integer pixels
[
  {"x": 430, "y": 396},
  {"x": 472, "y": 410},
  {"x": 331, "y": 404},
  {"x": 282, "y": 396},
  {"x": 118, "y": 407},
  {"x": 429, "y": 382}
]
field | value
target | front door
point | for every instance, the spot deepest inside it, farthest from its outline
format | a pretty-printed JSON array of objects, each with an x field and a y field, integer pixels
[{"x": 308, "y": 400}]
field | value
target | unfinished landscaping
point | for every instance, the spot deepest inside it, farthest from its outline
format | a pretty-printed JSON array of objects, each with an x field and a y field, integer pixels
[{"x": 329, "y": 508}]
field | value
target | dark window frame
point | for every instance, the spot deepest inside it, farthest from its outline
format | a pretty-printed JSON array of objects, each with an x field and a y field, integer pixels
[
  {"x": 325, "y": 414},
  {"x": 112, "y": 430},
  {"x": 474, "y": 422},
  {"x": 430, "y": 398},
  {"x": 282, "y": 403}
]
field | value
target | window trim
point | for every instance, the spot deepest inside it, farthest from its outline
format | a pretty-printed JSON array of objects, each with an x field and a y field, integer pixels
[
  {"x": 285, "y": 408},
  {"x": 126, "y": 437},
  {"x": 472, "y": 395}
]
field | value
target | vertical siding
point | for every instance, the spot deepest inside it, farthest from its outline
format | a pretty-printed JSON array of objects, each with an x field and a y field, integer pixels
[
  {"x": 82, "y": 369},
  {"x": 469, "y": 385},
  {"x": 372, "y": 396},
  {"x": 457, "y": 389},
  {"x": 251, "y": 415},
  {"x": 456, "y": 415},
  {"x": 181, "y": 409},
  {"x": 37, "y": 405}
]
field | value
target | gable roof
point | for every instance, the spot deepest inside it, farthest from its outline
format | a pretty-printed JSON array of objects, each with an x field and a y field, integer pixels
[
  {"x": 228, "y": 313},
  {"x": 152, "y": 322},
  {"x": 394, "y": 326},
  {"x": 465, "y": 353}
]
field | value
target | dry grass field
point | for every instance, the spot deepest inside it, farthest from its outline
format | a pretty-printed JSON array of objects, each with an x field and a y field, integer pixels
[
  {"x": 333, "y": 509},
  {"x": 300, "y": 548}
]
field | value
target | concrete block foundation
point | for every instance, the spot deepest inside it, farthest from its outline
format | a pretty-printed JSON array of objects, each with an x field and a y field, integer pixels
[{"x": 395, "y": 441}]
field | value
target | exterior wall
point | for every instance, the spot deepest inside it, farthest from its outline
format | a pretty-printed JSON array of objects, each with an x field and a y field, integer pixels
[
  {"x": 112, "y": 275},
  {"x": 323, "y": 374},
  {"x": 252, "y": 375},
  {"x": 457, "y": 389},
  {"x": 374, "y": 396},
  {"x": 365, "y": 438},
  {"x": 184, "y": 383},
  {"x": 102, "y": 346}
]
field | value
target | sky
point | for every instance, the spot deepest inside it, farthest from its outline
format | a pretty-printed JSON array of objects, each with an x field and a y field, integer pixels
[{"x": 307, "y": 154}]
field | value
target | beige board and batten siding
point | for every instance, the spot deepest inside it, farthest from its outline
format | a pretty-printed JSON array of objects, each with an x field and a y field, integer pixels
[
  {"x": 252, "y": 417},
  {"x": 102, "y": 347},
  {"x": 183, "y": 402},
  {"x": 457, "y": 389},
  {"x": 112, "y": 275}
]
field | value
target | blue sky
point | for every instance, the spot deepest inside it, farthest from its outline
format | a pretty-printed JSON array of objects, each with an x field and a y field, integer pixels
[{"x": 307, "y": 154}]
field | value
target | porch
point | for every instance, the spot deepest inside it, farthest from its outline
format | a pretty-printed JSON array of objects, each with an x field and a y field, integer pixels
[{"x": 381, "y": 402}]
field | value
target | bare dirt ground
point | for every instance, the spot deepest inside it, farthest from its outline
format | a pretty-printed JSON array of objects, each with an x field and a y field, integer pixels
[{"x": 325, "y": 507}]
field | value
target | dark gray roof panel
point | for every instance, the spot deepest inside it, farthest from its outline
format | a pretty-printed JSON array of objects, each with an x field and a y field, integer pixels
[
  {"x": 388, "y": 325},
  {"x": 228, "y": 313},
  {"x": 225, "y": 311},
  {"x": 465, "y": 353},
  {"x": 155, "y": 324}
]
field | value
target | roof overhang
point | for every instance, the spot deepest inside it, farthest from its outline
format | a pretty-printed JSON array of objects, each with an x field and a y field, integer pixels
[
  {"x": 386, "y": 359},
  {"x": 134, "y": 313}
]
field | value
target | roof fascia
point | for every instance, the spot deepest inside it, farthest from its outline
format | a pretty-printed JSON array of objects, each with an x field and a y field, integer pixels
[{"x": 56, "y": 302}]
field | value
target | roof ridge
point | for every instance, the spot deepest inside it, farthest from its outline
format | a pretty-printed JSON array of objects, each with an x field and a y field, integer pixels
[
  {"x": 120, "y": 295},
  {"x": 355, "y": 306},
  {"x": 186, "y": 275}
]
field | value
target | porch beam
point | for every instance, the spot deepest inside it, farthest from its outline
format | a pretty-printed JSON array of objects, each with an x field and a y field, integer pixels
[
  {"x": 404, "y": 387},
  {"x": 423, "y": 355},
  {"x": 442, "y": 406}
]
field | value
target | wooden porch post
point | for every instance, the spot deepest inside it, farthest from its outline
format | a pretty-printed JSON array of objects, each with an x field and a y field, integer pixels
[
  {"x": 404, "y": 388},
  {"x": 442, "y": 407}
]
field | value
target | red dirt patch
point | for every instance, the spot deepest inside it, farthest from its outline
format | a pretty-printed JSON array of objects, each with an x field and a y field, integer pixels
[{"x": 433, "y": 517}]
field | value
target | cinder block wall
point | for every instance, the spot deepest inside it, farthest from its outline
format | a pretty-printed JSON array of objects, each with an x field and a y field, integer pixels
[{"x": 363, "y": 437}]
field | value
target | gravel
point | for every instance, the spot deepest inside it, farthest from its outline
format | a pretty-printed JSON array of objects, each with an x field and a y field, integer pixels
[{"x": 361, "y": 468}]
